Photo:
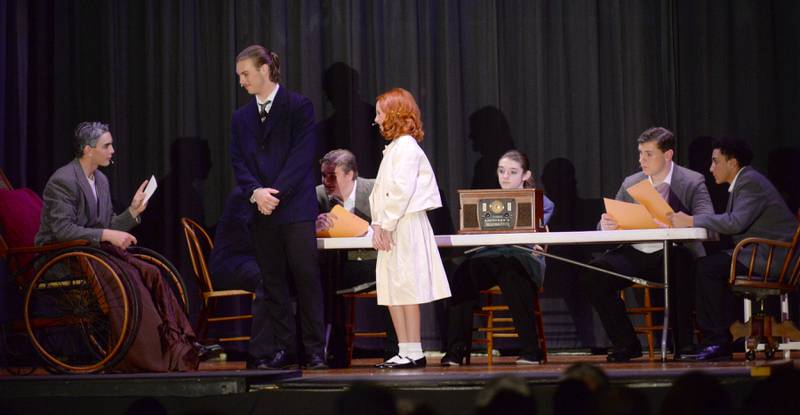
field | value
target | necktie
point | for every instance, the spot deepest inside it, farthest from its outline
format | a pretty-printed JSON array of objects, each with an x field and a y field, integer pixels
[{"x": 262, "y": 110}]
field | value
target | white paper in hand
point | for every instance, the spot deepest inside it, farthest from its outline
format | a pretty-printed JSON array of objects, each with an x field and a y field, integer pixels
[{"x": 150, "y": 188}]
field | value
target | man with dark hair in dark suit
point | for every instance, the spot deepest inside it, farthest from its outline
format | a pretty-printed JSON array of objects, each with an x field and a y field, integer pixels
[
  {"x": 272, "y": 151},
  {"x": 684, "y": 190},
  {"x": 755, "y": 209}
]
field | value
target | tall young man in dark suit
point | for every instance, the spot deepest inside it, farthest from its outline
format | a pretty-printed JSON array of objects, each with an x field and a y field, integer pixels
[
  {"x": 755, "y": 209},
  {"x": 684, "y": 190},
  {"x": 272, "y": 150}
]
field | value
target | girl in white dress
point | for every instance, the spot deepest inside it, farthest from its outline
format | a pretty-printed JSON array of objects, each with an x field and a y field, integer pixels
[{"x": 409, "y": 271}]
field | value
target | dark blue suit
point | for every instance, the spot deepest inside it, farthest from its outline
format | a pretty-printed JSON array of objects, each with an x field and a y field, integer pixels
[
  {"x": 279, "y": 153},
  {"x": 232, "y": 262}
]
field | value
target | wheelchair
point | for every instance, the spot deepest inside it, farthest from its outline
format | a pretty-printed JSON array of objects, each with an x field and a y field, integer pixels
[{"x": 80, "y": 311}]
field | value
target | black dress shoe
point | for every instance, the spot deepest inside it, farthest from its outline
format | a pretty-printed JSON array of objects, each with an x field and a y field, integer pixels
[
  {"x": 258, "y": 364},
  {"x": 453, "y": 359},
  {"x": 281, "y": 360},
  {"x": 687, "y": 350},
  {"x": 624, "y": 354},
  {"x": 712, "y": 353},
  {"x": 207, "y": 351},
  {"x": 529, "y": 359},
  {"x": 316, "y": 362}
]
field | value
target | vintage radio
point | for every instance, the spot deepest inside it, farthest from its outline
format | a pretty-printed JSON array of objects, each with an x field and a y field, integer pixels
[{"x": 500, "y": 210}]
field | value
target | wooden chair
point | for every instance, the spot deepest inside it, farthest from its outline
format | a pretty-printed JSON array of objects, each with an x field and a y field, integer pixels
[
  {"x": 757, "y": 286},
  {"x": 4, "y": 182},
  {"x": 499, "y": 323},
  {"x": 199, "y": 244},
  {"x": 351, "y": 332},
  {"x": 646, "y": 310}
]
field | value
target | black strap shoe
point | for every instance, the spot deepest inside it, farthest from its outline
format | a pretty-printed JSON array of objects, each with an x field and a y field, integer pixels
[
  {"x": 409, "y": 364},
  {"x": 400, "y": 362}
]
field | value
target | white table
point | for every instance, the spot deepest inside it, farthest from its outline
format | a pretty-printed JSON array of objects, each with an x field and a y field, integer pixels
[{"x": 664, "y": 236}]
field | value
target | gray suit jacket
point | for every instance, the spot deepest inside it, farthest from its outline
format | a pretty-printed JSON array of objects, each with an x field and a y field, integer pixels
[
  {"x": 688, "y": 193},
  {"x": 755, "y": 209},
  {"x": 71, "y": 211},
  {"x": 363, "y": 190}
]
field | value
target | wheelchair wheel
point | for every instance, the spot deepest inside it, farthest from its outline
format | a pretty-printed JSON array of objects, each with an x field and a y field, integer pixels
[
  {"x": 168, "y": 271},
  {"x": 81, "y": 312}
]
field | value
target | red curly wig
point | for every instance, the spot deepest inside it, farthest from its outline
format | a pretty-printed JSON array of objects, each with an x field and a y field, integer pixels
[{"x": 402, "y": 115}]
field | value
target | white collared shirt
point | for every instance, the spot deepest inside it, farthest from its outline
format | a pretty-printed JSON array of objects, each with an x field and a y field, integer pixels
[
  {"x": 92, "y": 186},
  {"x": 649, "y": 248},
  {"x": 668, "y": 179},
  {"x": 350, "y": 203},
  {"x": 733, "y": 182},
  {"x": 270, "y": 99}
]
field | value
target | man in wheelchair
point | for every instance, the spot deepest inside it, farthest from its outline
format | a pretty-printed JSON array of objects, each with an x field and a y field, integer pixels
[{"x": 77, "y": 206}]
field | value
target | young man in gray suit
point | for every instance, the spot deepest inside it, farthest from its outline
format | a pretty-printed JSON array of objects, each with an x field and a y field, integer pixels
[
  {"x": 77, "y": 205},
  {"x": 685, "y": 191},
  {"x": 755, "y": 209},
  {"x": 77, "y": 198}
]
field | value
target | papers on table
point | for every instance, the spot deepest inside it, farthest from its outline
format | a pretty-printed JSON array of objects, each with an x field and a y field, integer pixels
[
  {"x": 150, "y": 188},
  {"x": 345, "y": 224},
  {"x": 651, "y": 207},
  {"x": 646, "y": 195},
  {"x": 629, "y": 215}
]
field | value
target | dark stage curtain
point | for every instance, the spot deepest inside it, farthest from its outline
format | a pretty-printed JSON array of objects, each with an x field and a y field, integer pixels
[{"x": 572, "y": 83}]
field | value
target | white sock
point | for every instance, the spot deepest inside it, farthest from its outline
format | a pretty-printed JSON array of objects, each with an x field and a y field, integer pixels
[
  {"x": 403, "y": 348},
  {"x": 414, "y": 351}
]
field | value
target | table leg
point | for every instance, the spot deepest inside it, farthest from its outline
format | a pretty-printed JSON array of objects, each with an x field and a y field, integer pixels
[{"x": 665, "y": 326}]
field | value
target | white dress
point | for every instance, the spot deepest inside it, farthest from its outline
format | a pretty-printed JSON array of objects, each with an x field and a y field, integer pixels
[{"x": 412, "y": 272}]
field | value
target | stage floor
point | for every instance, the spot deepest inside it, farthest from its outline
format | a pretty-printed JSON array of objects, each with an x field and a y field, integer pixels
[
  {"x": 227, "y": 387},
  {"x": 478, "y": 372}
]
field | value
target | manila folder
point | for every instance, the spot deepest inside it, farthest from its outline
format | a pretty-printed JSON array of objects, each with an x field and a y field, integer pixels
[
  {"x": 646, "y": 195},
  {"x": 629, "y": 215},
  {"x": 345, "y": 225}
]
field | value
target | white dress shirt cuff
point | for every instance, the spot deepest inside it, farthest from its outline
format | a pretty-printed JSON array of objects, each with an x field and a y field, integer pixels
[{"x": 253, "y": 195}]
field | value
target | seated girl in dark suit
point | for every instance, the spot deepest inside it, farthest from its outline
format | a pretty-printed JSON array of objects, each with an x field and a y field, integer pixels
[{"x": 518, "y": 273}]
